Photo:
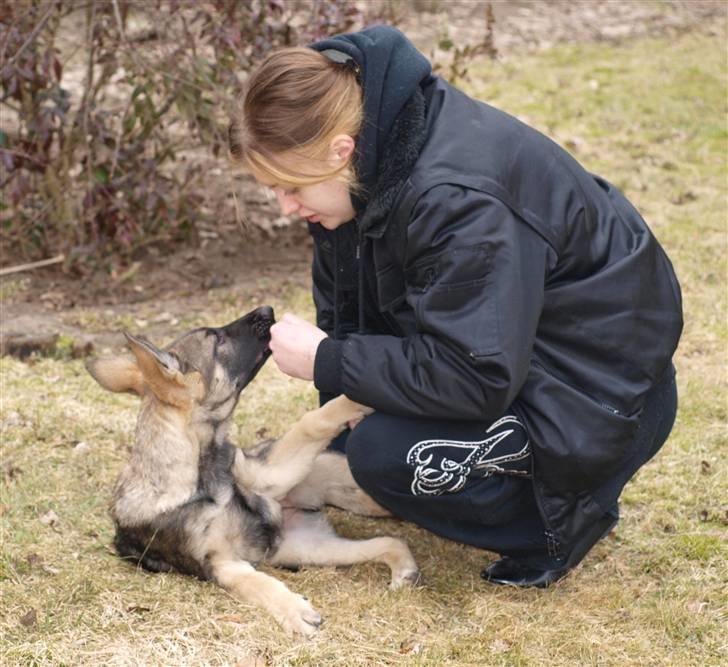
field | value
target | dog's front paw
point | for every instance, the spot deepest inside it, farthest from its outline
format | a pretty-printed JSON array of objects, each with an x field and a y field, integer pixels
[
  {"x": 405, "y": 579},
  {"x": 362, "y": 410},
  {"x": 352, "y": 423},
  {"x": 298, "y": 617},
  {"x": 350, "y": 412}
]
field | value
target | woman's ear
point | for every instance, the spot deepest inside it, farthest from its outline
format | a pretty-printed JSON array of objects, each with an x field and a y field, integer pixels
[{"x": 342, "y": 147}]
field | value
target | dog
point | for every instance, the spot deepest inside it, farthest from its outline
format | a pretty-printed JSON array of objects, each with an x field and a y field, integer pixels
[{"x": 190, "y": 501}]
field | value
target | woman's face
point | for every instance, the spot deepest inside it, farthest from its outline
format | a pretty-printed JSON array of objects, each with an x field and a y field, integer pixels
[{"x": 327, "y": 204}]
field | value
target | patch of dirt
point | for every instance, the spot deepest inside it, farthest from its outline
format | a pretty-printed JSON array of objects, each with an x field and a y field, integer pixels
[
  {"x": 226, "y": 256},
  {"x": 44, "y": 310},
  {"x": 526, "y": 25}
]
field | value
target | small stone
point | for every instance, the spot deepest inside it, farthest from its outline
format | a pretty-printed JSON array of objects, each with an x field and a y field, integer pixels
[
  {"x": 50, "y": 518},
  {"x": 82, "y": 448}
]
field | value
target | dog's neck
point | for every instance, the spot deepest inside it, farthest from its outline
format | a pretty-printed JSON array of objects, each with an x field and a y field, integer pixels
[
  {"x": 161, "y": 425},
  {"x": 163, "y": 470},
  {"x": 209, "y": 433},
  {"x": 168, "y": 437}
]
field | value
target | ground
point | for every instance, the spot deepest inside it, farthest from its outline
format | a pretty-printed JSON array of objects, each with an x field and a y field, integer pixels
[{"x": 642, "y": 102}]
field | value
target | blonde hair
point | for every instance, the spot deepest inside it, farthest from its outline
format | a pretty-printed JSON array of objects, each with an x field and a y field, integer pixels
[{"x": 294, "y": 103}]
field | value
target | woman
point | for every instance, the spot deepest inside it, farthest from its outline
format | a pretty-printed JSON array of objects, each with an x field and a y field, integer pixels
[{"x": 510, "y": 316}]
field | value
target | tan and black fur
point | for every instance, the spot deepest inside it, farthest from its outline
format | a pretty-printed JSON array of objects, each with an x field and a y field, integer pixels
[{"x": 190, "y": 501}]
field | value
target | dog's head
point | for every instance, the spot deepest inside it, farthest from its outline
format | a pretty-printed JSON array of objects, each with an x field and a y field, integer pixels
[{"x": 208, "y": 367}]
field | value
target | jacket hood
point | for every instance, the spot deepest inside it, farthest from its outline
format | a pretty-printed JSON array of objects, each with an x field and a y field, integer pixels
[{"x": 390, "y": 71}]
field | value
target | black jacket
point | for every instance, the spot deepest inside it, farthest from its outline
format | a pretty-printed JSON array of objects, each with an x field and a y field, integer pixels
[{"x": 493, "y": 272}]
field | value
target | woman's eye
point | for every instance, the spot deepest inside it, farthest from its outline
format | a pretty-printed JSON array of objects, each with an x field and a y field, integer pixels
[{"x": 289, "y": 192}]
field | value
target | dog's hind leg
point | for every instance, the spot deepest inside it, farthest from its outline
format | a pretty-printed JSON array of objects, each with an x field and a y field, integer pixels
[
  {"x": 330, "y": 482},
  {"x": 308, "y": 539},
  {"x": 293, "y": 612}
]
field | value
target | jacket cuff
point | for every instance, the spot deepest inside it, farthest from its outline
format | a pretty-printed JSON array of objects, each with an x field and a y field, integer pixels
[{"x": 327, "y": 366}]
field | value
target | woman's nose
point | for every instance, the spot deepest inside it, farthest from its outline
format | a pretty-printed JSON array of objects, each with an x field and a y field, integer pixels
[{"x": 287, "y": 202}]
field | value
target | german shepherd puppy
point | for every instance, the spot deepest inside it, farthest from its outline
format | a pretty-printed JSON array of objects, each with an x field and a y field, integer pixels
[{"x": 190, "y": 501}]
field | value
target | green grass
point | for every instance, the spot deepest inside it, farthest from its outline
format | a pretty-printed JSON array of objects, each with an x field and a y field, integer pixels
[{"x": 649, "y": 116}]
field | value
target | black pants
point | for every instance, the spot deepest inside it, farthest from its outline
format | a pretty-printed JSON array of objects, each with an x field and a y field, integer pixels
[{"x": 470, "y": 482}]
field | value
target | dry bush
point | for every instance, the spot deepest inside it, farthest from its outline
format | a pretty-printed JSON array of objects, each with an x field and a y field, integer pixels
[{"x": 114, "y": 112}]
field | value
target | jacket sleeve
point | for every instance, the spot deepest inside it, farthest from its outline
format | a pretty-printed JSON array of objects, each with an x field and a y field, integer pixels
[{"x": 475, "y": 282}]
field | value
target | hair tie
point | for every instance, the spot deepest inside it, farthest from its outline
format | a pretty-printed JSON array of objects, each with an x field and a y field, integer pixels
[{"x": 341, "y": 58}]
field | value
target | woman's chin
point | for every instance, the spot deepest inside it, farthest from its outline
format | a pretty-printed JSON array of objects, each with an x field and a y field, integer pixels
[{"x": 331, "y": 223}]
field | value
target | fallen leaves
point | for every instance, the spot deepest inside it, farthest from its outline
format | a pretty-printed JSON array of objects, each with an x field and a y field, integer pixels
[
  {"x": 410, "y": 646},
  {"x": 9, "y": 470},
  {"x": 684, "y": 198},
  {"x": 35, "y": 561},
  {"x": 29, "y": 619},
  {"x": 137, "y": 609}
]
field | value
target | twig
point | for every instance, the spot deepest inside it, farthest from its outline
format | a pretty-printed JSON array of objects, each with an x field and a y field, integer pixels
[
  {"x": 89, "y": 93},
  {"x": 32, "y": 265},
  {"x": 31, "y": 38},
  {"x": 242, "y": 221},
  {"x": 119, "y": 136},
  {"x": 119, "y": 23},
  {"x": 20, "y": 154}
]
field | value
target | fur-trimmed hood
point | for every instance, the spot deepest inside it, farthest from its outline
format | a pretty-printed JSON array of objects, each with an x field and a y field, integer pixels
[{"x": 391, "y": 70}]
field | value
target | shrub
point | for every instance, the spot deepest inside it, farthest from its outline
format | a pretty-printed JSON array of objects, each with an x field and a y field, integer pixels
[{"x": 112, "y": 110}]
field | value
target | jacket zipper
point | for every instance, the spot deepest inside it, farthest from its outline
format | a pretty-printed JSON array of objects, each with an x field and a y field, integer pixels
[{"x": 553, "y": 546}]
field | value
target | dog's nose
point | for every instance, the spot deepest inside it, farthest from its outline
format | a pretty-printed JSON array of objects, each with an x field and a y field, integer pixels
[
  {"x": 264, "y": 313},
  {"x": 262, "y": 320}
]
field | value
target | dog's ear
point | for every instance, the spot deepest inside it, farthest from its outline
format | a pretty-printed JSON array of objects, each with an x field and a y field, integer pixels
[
  {"x": 162, "y": 373},
  {"x": 117, "y": 374}
]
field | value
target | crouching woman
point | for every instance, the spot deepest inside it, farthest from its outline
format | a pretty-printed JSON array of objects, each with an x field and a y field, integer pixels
[{"x": 510, "y": 316}]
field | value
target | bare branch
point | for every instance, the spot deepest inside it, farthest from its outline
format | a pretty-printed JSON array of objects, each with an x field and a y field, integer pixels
[
  {"x": 32, "y": 265},
  {"x": 31, "y": 38}
]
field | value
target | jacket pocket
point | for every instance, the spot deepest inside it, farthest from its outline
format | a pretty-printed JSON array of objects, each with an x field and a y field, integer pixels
[
  {"x": 453, "y": 297},
  {"x": 590, "y": 396},
  {"x": 579, "y": 443},
  {"x": 453, "y": 269}
]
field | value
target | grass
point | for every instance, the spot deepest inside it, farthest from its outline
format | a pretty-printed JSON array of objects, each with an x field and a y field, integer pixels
[{"x": 648, "y": 115}]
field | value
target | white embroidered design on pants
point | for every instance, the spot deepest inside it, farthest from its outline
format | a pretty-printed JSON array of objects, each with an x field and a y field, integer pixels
[{"x": 459, "y": 460}]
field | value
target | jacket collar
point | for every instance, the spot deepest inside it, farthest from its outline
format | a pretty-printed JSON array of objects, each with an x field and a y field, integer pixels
[
  {"x": 403, "y": 146},
  {"x": 389, "y": 69}
]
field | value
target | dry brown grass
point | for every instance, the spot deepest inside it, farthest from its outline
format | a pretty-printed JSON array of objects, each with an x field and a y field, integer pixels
[{"x": 650, "y": 116}]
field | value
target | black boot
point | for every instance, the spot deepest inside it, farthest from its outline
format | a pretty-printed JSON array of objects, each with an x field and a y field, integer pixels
[{"x": 520, "y": 572}]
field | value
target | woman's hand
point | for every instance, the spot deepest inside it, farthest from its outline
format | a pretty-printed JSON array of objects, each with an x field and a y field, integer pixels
[{"x": 293, "y": 342}]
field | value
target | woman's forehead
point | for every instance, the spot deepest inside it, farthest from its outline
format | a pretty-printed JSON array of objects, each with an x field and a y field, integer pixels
[
  {"x": 268, "y": 181},
  {"x": 273, "y": 173},
  {"x": 265, "y": 178}
]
